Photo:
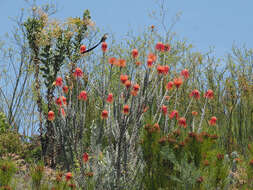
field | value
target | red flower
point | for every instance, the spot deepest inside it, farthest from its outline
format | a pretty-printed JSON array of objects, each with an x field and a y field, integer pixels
[
  {"x": 149, "y": 63},
  {"x": 50, "y": 116},
  {"x": 65, "y": 89},
  {"x": 104, "y": 46},
  {"x": 160, "y": 69},
  {"x": 85, "y": 157},
  {"x": 169, "y": 85},
  {"x": 173, "y": 114},
  {"x": 182, "y": 122},
  {"x": 78, "y": 72},
  {"x": 135, "y": 53},
  {"x": 164, "y": 109},
  {"x": 68, "y": 176},
  {"x": 209, "y": 94},
  {"x": 62, "y": 111},
  {"x": 152, "y": 57},
  {"x": 178, "y": 82},
  {"x": 136, "y": 87},
  {"x": 82, "y": 48},
  {"x": 160, "y": 46},
  {"x": 113, "y": 61},
  {"x": 194, "y": 113},
  {"x": 213, "y": 120},
  {"x": 167, "y": 47},
  {"x": 61, "y": 100},
  {"x": 134, "y": 93},
  {"x": 109, "y": 98},
  {"x": 127, "y": 83},
  {"x": 58, "y": 81},
  {"x": 123, "y": 78},
  {"x": 104, "y": 114},
  {"x": 166, "y": 69},
  {"x": 185, "y": 73},
  {"x": 195, "y": 94},
  {"x": 83, "y": 95},
  {"x": 126, "y": 109}
]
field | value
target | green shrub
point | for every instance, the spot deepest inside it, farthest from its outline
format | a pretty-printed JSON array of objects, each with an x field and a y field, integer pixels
[
  {"x": 10, "y": 143},
  {"x": 7, "y": 171}
]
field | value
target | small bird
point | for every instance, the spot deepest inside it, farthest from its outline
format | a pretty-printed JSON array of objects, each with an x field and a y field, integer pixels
[{"x": 104, "y": 37}]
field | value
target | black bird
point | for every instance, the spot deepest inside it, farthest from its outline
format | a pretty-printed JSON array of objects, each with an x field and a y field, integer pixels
[{"x": 102, "y": 40}]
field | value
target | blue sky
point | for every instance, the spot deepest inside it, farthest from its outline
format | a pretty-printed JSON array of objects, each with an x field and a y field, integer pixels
[{"x": 205, "y": 23}]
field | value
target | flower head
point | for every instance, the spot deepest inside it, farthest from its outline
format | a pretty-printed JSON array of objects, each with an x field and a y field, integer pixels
[
  {"x": 194, "y": 113},
  {"x": 126, "y": 109},
  {"x": 127, "y": 83},
  {"x": 109, "y": 98},
  {"x": 195, "y": 93},
  {"x": 149, "y": 63},
  {"x": 135, "y": 53},
  {"x": 78, "y": 72},
  {"x": 61, "y": 100},
  {"x": 68, "y": 176},
  {"x": 169, "y": 85},
  {"x": 65, "y": 89},
  {"x": 185, "y": 74},
  {"x": 166, "y": 69},
  {"x": 152, "y": 57},
  {"x": 178, "y": 82},
  {"x": 137, "y": 63},
  {"x": 104, "y": 46},
  {"x": 50, "y": 116},
  {"x": 160, "y": 69},
  {"x": 122, "y": 63},
  {"x": 182, "y": 122},
  {"x": 85, "y": 157},
  {"x": 173, "y": 114},
  {"x": 213, "y": 120},
  {"x": 104, "y": 114},
  {"x": 123, "y": 78},
  {"x": 83, "y": 95},
  {"x": 167, "y": 47},
  {"x": 160, "y": 46},
  {"x": 209, "y": 94},
  {"x": 82, "y": 48},
  {"x": 112, "y": 61},
  {"x": 136, "y": 87},
  {"x": 164, "y": 109},
  {"x": 58, "y": 81}
]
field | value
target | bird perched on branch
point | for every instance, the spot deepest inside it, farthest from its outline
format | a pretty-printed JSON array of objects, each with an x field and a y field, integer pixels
[{"x": 104, "y": 37}]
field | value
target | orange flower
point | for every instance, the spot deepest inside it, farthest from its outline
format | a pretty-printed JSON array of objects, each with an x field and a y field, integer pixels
[
  {"x": 182, "y": 122},
  {"x": 136, "y": 87},
  {"x": 113, "y": 61},
  {"x": 82, "y": 48},
  {"x": 169, "y": 85},
  {"x": 85, "y": 157},
  {"x": 209, "y": 94},
  {"x": 122, "y": 63},
  {"x": 58, "y": 81},
  {"x": 159, "y": 46},
  {"x": 65, "y": 89},
  {"x": 135, "y": 53},
  {"x": 173, "y": 114},
  {"x": 149, "y": 63},
  {"x": 104, "y": 114},
  {"x": 152, "y": 57},
  {"x": 137, "y": 63},
  {"x": 83, "y": 95},
  {"x": 152, "y": 27},
  {"x": 61, "y": 100},
  {"x": 164, "y": 109},
  {"x": 109, "y": 98},
  {"x": 123, "y": 78},
  {"x": 167, "y": 47},
  {"x": 126, "y": 109},
  {"x": 104, "y": 46},
  {"x": 194, "y": 113},
  {"x": 68, "y": 176},
  {"x": 178, "y": 82},
  {"x": 78, "y": 72},
  {"x": 50, "y": 116},
  {"x": 127, "y": 83},
  {"x": 160, "y": 69},
  {"x": 213, "y": 120},
  {"x": 185, "y": 74},
  {"x": 134, "y": 93},
  {"x": 195, "y": 94}
]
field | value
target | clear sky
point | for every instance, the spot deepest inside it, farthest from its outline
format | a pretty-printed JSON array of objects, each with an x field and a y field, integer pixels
[{"x": 205, "y": 23}]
